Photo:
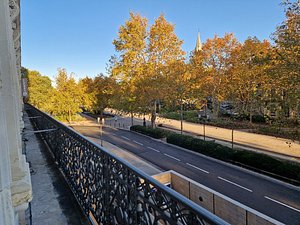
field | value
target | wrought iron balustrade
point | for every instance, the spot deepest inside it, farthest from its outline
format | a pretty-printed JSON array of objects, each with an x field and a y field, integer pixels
[{"x": 109, "y": 189}]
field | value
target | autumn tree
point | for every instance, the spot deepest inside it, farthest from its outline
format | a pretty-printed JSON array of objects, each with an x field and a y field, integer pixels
[
  {"x": 216, "y": 55},
  {"x": 128, "y": 66},
  {"x": 180, "y": 85},
  {"x": 199, "y": 79},
  {"x": 141, "y": 68},
  {"x": 287, "y": 55},
  {"x": 249, "y": 81},
  {"x": 164, "y": 50}
]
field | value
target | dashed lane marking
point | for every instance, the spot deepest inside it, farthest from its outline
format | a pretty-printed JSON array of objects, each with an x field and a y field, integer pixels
[
  {"x": 153, "y": 149},
  {"x": 125, "y": 138},
  {"x": 138, "y": 143},
  {"x": 281, "y": 203},
  {"x": 240, "y": 186},
  {"x": 204, "y": 171},
  {"x": 172, "y": 157}
]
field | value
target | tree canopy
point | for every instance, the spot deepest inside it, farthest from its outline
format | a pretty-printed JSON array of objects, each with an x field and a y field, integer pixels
[
  {"x": 40, "y": 89},
  {"x": 150, "y": 67}
]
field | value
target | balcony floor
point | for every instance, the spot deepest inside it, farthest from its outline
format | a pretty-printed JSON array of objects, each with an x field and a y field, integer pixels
[{"x": 53, "y": 201}]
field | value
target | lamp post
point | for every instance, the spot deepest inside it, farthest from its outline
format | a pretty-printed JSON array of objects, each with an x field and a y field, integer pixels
[
  {"x": 99, "y": 120},
  {"x": 204, "y": 129},
  {"x": 181, "y": 116},
  {"x": 232, "y": 138}
]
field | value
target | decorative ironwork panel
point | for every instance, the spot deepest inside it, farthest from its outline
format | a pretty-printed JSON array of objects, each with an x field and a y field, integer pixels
[{"x": 109, "y": 189}]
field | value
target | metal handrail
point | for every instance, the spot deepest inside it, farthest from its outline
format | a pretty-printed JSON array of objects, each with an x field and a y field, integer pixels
[{"x": 109, "y": 189}]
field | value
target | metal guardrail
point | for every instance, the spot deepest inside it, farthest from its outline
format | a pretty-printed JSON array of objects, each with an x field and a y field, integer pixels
[{"x": 109, "y": 189}]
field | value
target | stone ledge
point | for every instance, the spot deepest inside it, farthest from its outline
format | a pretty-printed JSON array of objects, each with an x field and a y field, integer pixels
[{"x": 21, "y": 190}]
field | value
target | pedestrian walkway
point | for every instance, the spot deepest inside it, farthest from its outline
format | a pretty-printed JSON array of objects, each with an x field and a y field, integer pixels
[
  {"x": 129, "y": 157},
  {"x": 280, "y": 147},
  {"x": 53, "y": 201}
]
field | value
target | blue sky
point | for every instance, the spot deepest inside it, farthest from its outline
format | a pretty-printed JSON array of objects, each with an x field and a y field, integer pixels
[{"x": 78, "y": 34}]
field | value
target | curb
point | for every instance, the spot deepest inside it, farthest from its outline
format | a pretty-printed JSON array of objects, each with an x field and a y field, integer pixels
[{"x": 140, "y": 158}]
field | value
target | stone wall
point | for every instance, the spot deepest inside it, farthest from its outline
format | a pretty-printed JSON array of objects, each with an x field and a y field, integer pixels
[
  {"x": 15, "y": 184},
  {"x": 227, "y": 209}
]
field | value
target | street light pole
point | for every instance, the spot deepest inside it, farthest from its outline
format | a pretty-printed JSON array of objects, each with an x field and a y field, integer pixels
[
  {"x": 205, "y": 118},
  {"x": 101, "y": 130},
  {"x": 101, "y": 133},
  {"x": 232, "y": 138},
  {"x": 181, "y": 116},
  {"x": 204, "y": 130}
]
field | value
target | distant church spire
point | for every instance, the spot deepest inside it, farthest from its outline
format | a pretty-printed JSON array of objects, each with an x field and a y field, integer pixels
[{"x": 198, "y": 43}]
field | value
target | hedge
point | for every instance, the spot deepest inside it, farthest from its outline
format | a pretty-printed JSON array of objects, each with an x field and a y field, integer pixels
[
  {"x": 267, "y": 163},
  {"x": 208, "y": 148},
  {"x": 155, "y": 133},
  {"x": 252, "y": 159}
]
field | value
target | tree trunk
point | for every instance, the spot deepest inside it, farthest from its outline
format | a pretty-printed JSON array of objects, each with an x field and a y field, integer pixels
[
  {"x": 69, "y": 116},
  {"x": 250, "y": 113},
  {"x": 131, "y": 115},
  {"x": 216, "y": 108},
  {"x": 153, "y": 115}
]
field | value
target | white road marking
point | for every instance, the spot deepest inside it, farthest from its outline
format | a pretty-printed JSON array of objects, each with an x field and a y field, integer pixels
[
  {"x": 172, "y": 157},
  {"x": 153, "y": 149},
  {"x": 138, "y": 143},
  {"x": 288, "y": 206},
  {"x": 114, "y": 134},
  {"x": 197, "y": 168},
  {"x": 240, "y": 186},
  {"x": 125, "y": 138}
]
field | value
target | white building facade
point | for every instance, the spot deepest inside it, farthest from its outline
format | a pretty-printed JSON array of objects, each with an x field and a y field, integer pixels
[{"x": 15, "y": 184}]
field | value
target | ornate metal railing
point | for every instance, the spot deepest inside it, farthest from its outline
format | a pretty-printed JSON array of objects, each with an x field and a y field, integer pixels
[{"x": 109, "y": 189}]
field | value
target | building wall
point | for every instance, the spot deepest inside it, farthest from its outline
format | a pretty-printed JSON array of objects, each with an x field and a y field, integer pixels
[{"x": 15, "y": 184}]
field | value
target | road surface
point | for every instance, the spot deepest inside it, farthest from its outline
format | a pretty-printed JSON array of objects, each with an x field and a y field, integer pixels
[
  {"x": 272, "y": 198},
  {"x": 280, "y": 147}
]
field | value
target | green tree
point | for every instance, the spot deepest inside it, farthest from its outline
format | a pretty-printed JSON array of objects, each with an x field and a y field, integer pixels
[
  {"x": 67, "y": 98},
  {"x": 39, "y": 89},
  {"x": 86, "y": 85},
  {"x": 103, "y": 89}
]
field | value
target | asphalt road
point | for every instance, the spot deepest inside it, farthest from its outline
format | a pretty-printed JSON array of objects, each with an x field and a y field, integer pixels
[{"x": 275, "y": 199}]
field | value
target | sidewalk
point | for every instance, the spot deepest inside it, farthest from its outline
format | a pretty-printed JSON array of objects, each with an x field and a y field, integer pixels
[{"x": 280, "y": 147}]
